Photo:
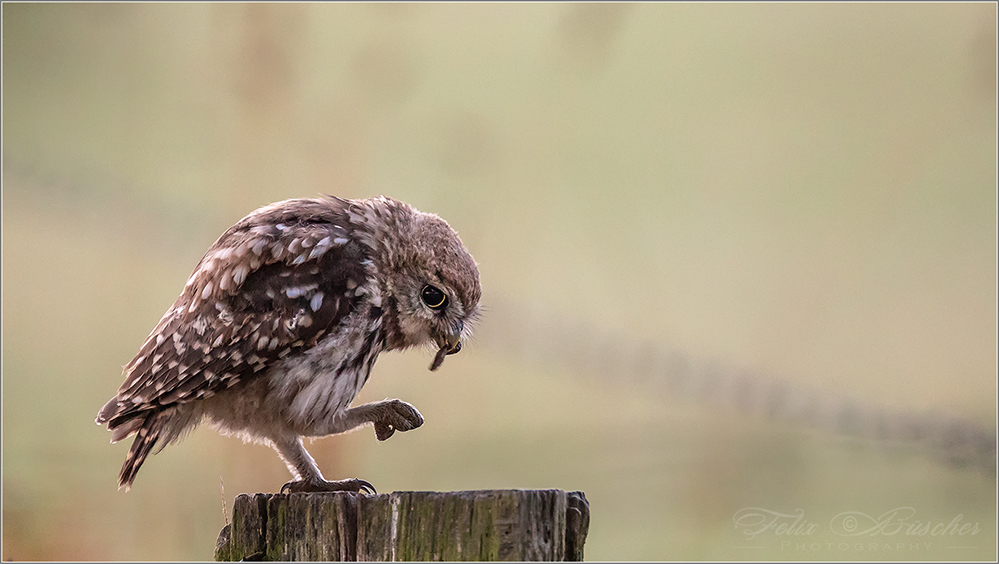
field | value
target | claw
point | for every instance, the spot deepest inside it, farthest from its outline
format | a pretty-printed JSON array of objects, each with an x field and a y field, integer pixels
[
  {"x": 383, "y": 432},
  {"x": 395, "y": 415},
  {"x": 349, "y": 485}
]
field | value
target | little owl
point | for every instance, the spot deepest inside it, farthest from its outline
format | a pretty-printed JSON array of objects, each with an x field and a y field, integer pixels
[{"x": 278, "y": 327}]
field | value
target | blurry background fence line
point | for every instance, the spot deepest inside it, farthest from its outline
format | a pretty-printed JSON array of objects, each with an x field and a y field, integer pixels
[{"x": 534, "y": 333}]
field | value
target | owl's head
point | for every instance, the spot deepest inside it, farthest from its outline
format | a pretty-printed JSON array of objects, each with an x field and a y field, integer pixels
[{"x": 429, "y": 281}]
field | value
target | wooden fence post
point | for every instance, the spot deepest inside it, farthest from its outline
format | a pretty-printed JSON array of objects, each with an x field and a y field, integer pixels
[{"x": 466, "y": 525}]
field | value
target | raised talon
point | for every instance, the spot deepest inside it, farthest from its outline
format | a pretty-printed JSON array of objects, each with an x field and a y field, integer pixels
[
  {"x": 397, "y": 416},
  {"x": 348, "y": 485},
  {"x": 383, "y": 432}
]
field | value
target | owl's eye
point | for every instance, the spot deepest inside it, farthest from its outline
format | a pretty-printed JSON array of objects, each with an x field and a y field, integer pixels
[{"x": 434, "y": 297}]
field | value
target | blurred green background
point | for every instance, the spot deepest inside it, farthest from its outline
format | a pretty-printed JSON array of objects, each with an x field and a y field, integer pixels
[{"x": 806, "y": 192}]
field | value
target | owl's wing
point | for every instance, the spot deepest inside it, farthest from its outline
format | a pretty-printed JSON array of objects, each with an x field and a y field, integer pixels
[{"x": 274, "y": 283}]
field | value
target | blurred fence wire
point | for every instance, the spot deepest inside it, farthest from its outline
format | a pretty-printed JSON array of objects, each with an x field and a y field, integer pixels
[{"x": 539, "y": 336}]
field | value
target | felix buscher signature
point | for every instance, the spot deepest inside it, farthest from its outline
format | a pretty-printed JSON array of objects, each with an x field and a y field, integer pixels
[{"x": 753, "y": 521}]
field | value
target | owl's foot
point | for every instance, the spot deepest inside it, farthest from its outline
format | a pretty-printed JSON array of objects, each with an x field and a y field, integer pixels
[
  {"x": 349, "y": 485},
  {"x": 395, "y": 415}
]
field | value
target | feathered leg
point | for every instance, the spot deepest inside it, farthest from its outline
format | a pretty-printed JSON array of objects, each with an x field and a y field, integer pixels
[{"x": 307, "y": 474}]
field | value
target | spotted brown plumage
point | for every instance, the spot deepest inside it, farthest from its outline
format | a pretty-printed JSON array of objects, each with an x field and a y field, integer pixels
[{"x": 279, "y": 325}]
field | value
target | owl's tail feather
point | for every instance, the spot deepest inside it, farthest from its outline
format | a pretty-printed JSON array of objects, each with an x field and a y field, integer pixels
[{"x": 145, "y": 440}]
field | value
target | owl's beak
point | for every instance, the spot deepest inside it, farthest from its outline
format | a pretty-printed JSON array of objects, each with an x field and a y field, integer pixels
[
  {"x": 450, "y": 343},
  {"x": 453, "y": 339}
]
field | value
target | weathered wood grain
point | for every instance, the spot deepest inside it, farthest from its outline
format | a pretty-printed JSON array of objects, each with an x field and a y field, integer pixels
[{"x": 467, "y": 525}]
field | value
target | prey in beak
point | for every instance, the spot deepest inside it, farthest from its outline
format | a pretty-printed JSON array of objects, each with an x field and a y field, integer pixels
[{"x": 449, "y": 344}]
